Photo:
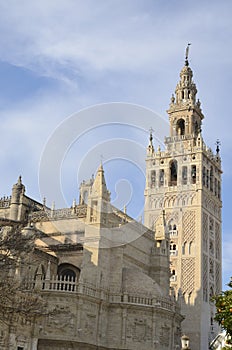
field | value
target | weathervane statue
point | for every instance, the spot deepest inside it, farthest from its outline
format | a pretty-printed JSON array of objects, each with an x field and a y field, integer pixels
[{"x": 186, "y": 54}]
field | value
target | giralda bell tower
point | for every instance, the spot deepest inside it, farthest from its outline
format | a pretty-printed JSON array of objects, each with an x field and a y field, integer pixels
[{"x": 184, "y": 180}]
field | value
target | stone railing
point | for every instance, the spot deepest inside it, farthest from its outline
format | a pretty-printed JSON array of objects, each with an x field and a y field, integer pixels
[
  {"x": 178, "y": 138},
  {"x": 66, "y": 213},
  {"x": 5, "y": 202},
  {"x": 65, "y": 284}
]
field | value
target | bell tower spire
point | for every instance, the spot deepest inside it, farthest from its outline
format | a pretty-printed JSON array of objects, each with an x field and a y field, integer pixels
[
  {"x": 185, "y": 113},
  {"x": 184, "y": 179}
]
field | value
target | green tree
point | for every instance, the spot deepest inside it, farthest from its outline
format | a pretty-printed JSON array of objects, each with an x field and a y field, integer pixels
[{"x": 223, "y": 315}]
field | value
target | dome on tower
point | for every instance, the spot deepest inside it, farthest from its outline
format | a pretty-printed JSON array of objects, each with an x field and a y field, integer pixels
[{"x": 186, "y": 70}]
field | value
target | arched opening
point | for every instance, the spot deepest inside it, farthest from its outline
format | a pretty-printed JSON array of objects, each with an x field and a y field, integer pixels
[
  {"x": 68, "y": 271},
  {"x": 69, "y": 274},
  {"x": 172, "y": 229},
  {"x": 173, "y": 173},
  {"x": 196, "y": 128},
  {"x": 161, "y": 177},
  {"x": 173, "y": 275},
  {"x": 180, "y": 127},
  {"x": 184, "y": 248},
  {"x": 189, "y": 298},
  {"x": 184, "y": 175},
  {"x": 193, "y": 173},
  {"x": 173, "y": 248},
  {"x": 211, "y": 178},
  {"x": 191, "y": 248},
  {"x": 153, "y": 178}
]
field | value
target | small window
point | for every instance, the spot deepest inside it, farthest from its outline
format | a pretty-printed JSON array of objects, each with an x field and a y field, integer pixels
[{"x": 20, "y": 348}]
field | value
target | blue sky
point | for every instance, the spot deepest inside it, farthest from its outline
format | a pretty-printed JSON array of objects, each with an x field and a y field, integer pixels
[{"x": 59, "y": 57}]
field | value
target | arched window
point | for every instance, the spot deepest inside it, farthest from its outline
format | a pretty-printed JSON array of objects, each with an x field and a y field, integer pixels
[
  {"x": 68, "y": 271},
  {"x": 180, "y": 127},
  {"x": 173, "y": 248},
  {"x": 207, "y": 178},
  {"x": 193, "y": 173},
  {"x": 191, "y": 248},
  {"x": 173, "y": 173},
  {"x": 184, "y": 175},
  {"x": 68, "y": 274},
  {"x": 172, "y": 229},
  {"x": 153, "y": 178},
  {"x": 161, "y": 177},
  {"x": 196, "y": 127},
  {"x": 204, "y": 176}
]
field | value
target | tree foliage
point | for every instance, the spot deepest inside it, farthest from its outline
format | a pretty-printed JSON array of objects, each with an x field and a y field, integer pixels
[
  {"x": 223, "y": 315},
  {"x": 16, "y": 298}
]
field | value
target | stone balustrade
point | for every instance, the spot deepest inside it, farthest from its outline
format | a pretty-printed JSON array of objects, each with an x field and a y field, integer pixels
[
  {"x": 58, "y": 214},
  {"x": 66, "y": 284}
]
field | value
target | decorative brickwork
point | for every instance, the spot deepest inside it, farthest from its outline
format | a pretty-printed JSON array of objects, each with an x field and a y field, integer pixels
[
  {"x": 189, "y": 226},
  {"x": 205, "y": 232},
  {"x": 188, "y": 269},
  {"x": 217, "y": 241},
  {"x": 205, "y": 278}
]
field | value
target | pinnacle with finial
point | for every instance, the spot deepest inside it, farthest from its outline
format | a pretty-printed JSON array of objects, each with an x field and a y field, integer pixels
[
  {"x": 151, "y": 134},
  {"x": 218, "y": 144}
]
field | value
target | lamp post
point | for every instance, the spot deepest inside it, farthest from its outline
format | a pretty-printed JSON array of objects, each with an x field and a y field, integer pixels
[{"x": 185, "y": 343}]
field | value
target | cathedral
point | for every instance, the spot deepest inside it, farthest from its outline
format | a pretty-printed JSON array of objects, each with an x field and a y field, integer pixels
[{"x": 116, "y": 283}]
